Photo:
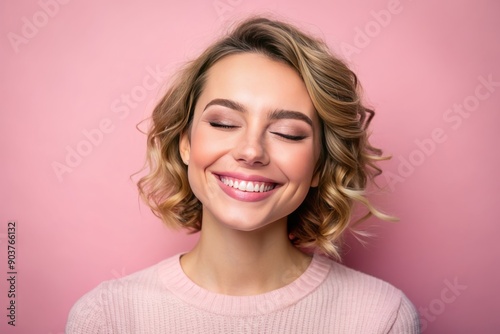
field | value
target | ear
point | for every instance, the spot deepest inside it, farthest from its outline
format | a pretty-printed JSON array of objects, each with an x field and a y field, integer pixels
[
  {"x": 315, "y": 179},
  {"x": 185, "y": 147}
]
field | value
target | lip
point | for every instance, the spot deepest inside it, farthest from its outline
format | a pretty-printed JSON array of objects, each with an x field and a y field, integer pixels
[
  {"x": 243, "y": 177},
  {"x": 245, "y": 196}
]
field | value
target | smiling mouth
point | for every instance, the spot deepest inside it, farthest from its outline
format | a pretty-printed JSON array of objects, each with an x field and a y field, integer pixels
[{"x": 248, "y": 186}]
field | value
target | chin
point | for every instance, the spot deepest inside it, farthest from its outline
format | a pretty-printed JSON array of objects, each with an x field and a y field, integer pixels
[
  {"x": 251, "y": 226},
  {"x": 245, "y": 226}
]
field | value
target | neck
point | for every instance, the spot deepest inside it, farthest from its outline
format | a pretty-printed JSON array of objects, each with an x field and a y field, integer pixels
[{"x": 234, "y": 262}]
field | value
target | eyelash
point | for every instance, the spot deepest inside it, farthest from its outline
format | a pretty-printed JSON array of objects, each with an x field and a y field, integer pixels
[
  {"x": 223, "y": 126},
  {"x": 289, "y": 137},
  {"x": 282, "y": 135}
]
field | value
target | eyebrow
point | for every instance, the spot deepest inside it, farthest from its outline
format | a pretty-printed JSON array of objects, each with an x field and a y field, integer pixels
[{"x": 276, "y": 114}]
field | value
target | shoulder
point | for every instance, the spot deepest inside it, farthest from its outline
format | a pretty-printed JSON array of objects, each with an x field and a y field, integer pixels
[
  {"x": 369, "y": 300},
  {"x": 359, "y": 284},
  {"x": 112, "y": 300}
]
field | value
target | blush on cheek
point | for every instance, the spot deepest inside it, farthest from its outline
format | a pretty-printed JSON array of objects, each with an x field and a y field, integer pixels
[
  {"x": 299, "y": 162},
  {"x": 203, "y": 185}
]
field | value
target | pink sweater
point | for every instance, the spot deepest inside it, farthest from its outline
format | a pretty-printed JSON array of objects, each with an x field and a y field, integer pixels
[{"x": 327, "y": 298}]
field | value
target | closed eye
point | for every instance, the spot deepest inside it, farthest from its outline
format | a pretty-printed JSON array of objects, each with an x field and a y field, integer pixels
[
  {"x": 222, "y": 125},
  {"x": 289, "y": 137}
]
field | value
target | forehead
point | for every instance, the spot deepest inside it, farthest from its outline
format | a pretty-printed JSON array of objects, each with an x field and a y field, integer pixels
[{"x": 257, "y": 81}]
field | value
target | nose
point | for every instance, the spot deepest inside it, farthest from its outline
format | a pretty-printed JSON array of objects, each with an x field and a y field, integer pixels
[{"x": 251, "y": 150}]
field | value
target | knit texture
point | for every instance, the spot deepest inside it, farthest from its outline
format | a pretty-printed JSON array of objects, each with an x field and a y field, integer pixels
[{"x": 327, "y": 298}]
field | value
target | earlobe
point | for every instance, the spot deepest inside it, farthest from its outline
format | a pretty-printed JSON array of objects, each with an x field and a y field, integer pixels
[
  {"x": 315, "y": 180},
  {"x": 184, "y": 147}
]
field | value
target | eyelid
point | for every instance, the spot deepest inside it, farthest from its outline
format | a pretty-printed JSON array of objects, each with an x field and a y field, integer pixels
[
  {"x": 289, "y": 137},
  {"x": 222, "y": 125},
  {"x": 218, "y": 118},
  {"x": 290, "y": 129}
]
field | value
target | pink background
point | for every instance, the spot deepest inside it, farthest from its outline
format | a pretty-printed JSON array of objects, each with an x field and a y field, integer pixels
[{"x": 75, "y": 64}]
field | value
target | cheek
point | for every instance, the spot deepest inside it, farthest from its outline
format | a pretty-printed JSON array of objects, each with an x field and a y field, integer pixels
[
  {"x": 206, "y": 151},
  {"x": 297, "y": 163},
  {"x": 201, "y": 146}
]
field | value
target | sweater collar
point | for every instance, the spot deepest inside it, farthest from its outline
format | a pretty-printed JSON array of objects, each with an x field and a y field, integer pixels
[{"x": 176, "y": 281}]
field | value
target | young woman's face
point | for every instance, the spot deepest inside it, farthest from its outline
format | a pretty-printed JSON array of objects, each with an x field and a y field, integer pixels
[{"x": 254, "y": 143}]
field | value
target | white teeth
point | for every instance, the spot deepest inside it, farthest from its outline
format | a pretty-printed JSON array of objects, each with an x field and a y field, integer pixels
[{"x": 249, "y": 186}]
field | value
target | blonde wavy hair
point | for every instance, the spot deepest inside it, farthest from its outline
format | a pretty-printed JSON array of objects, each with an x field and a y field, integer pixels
[{"x": 347, "y": 160}]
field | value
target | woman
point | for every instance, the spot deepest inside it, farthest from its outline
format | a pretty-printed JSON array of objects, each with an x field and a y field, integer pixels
[{"x": 261, "y": 145}]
